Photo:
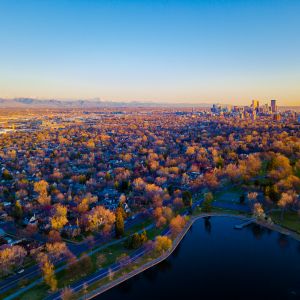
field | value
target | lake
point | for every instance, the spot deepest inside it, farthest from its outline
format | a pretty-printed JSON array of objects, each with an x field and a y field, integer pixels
[{"x": 216, "y": 261}]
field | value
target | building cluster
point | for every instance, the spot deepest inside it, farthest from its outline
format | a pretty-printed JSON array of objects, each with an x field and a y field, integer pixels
[
  {"x": 59, "y": 167},
  {"x": 255, "y": 110}
]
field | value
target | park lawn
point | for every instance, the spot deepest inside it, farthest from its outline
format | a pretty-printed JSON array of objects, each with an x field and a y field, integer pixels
[
  {"x": 230, "y": 194},
  {"x": 41, "y": 290},
  {"x": 134, "y": 265},
  {"x": 111, "y": 253},
  {"x": 138, "y": 227},
  {"x": 230, "y": 211},
  {"x": 77, "y": 239},
  {"x": 37, "y": 293},
  {"x": 154, "y": 232},
  {"x": 198, "y": 211},
  {"x": 291, "y": 220}
]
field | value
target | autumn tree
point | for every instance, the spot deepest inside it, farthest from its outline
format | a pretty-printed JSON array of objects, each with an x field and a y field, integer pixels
[
  {"x": 291, "y": 182},
  {"x": 54, "y": 236},
  {"x": 6, "y": 175},
  {"x": 177, "y": 224},
  {"x": 67, "y": 294},
  {"x": 85, "y": 263},
  {"x": 41, "y": 187},
  {"x": 271, "y": 192},
  {"x": 162, "y": 244},
  {"x": 47, "y": 269},
  {"x": 124, "y": 259},
  {"x": 59, "y": 219},
  {"x": 233, "y": 172},
  {"x": 279, "y": 167},
  {"x": 258, "y": 210},
  {"x": 285, "y": 200},
  {"x": 162, "y": 215},
  {"x": 253, "y": 166},
  {"x": 57, "y": 250},
  {"x": 98, "y": 217},
  {"x": 83, "y": 206},
  {"x": 178, "y": 203},
  {"x": 18, "y": 211},
  {"x": 252, "y": 196},
  {"x": 101, "y": 259},
  {"x": 119, "y": 226},
  {"x": 11, "y": 257},
  {"x": 191, "y": 150},
  {"x": 139, "y": 184}
]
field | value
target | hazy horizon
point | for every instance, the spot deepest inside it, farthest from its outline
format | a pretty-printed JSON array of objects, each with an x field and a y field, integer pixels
[
  {"x": 190, "y": 52},
  {"x": 145, "y": 103}
]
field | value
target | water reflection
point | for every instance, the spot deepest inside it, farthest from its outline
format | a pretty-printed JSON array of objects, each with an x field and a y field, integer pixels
[
  {"x": 283, "y": 241},
  {"x": 176, "y": 252},
  {"x": 151, "y": 275},
  {"x": 165, "y": 265},
  {"x": 210, "y": 264},
  {"x": 207, "y": 224},
  {"x": 126, "y": 287},
  {"x": 258, "y": 231}
]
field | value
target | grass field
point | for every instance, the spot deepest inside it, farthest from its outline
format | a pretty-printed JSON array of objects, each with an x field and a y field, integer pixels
[
  {"x": 111, "y": 253},
  {"x": 230, "y": 194},
  {"x": 290, "y": 220}
]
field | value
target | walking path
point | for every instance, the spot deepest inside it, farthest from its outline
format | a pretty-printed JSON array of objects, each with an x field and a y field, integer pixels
[
  {"x": 28, "y": 287},
  {"x": 76, "y": 287},
  {"x": 244, "y": 224},
  {"x": 176, "y": 242}
]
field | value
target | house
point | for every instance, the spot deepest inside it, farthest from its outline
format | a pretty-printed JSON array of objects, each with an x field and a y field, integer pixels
[
  {"x": 30, "y": 221},
  {"x": 71, "y": 231},
  {"x": 2, "y": 232}
]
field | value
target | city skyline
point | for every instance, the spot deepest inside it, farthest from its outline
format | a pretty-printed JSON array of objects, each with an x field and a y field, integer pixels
[
  {"x": 147, "y": 146},
  {"x": 169, "y": 52}
]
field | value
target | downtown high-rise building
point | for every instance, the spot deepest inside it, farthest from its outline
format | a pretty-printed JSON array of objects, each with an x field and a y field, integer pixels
[
  {"x": 255, "y": 104},
  {"x": 273, "y": 106}
]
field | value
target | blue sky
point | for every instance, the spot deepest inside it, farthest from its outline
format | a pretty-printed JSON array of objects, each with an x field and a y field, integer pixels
[{"x": 228, "y": 51}]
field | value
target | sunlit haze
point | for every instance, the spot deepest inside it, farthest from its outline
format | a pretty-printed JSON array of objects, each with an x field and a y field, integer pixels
[
  {"x": 139, "y": 138},
  {"x": 226, "y": 51}
]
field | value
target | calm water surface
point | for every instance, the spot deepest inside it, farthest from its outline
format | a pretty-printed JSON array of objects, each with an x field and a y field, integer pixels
[{"x": 215, "y": 261}]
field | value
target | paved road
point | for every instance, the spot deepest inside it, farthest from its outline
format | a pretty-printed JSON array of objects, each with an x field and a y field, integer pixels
[
  {"x": 76, "y": 287},
  {"x": 34, "y": 271},
  {"x": 102, "y": 273},
  {"x": 77, "y": 249}
]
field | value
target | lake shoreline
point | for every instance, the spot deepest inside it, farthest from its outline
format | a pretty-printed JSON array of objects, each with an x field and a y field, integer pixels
[{"x": 177, "y": 241}]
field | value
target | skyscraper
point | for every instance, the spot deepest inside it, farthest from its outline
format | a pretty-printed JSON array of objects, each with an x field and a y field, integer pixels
[
  {"x": 273, "y": 106},
  {"x": 255, "y": 104}
]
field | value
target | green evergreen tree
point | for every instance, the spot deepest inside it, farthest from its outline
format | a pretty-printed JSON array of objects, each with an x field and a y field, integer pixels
[
  {"x": 18, "y": 212},
  {"x": 187, "y": 198},
  {"x": 207, "y": 203}
]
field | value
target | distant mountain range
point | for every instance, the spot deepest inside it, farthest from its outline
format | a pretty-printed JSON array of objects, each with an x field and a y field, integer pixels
[
  {"x": 94, "y": 103},
  {"x": 97, "y": 103}
]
